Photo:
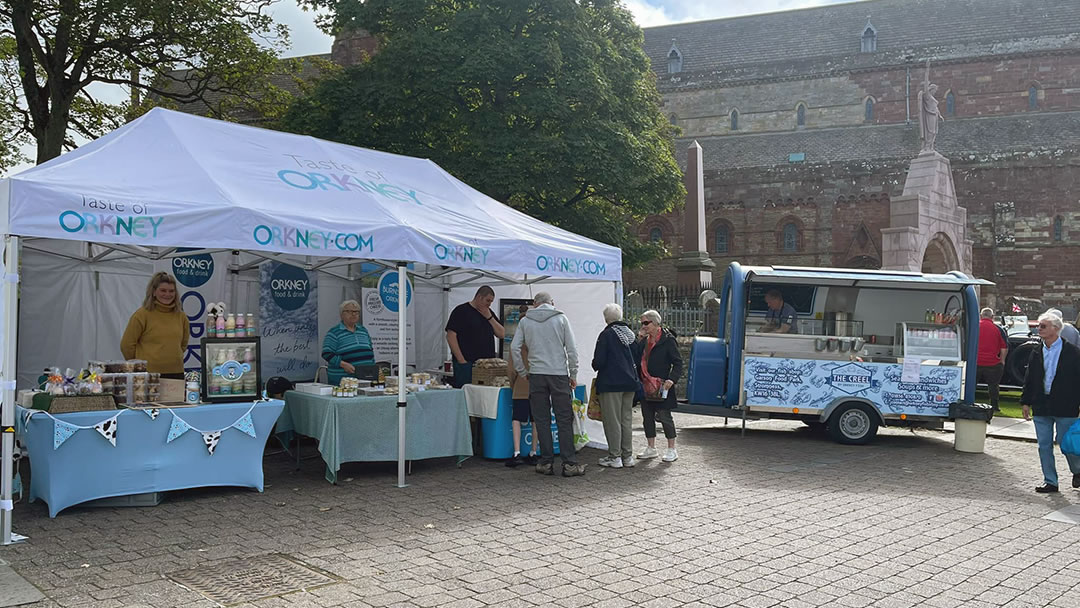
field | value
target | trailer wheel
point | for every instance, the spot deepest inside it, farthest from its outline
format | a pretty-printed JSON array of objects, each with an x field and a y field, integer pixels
[{"x": 853, "y": 424}]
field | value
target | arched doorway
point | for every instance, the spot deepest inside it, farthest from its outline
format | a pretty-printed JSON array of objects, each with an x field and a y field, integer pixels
[{"x": 940, "y": 255}]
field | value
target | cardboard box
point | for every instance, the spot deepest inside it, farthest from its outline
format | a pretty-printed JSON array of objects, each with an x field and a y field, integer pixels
[
  {"x": 315, "y": 388},
  {"x": 171, "y": 390}
]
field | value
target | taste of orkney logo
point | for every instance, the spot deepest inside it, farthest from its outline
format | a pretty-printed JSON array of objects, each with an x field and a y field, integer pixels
[
  {"x": 232, "y": 370},
  {"x": 851, "y": 378}
]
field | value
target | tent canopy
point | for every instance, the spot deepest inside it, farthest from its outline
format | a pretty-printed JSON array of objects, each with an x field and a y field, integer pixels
[{"x": 170, "y": 179}]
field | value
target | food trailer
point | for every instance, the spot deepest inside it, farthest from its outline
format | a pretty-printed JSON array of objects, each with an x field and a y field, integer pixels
[{"x": 867, "y": 348}]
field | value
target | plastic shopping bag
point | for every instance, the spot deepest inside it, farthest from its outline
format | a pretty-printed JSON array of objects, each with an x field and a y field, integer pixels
[
  {"x": 595, "y": 413},
  {"x": 580, "y": 436},
  {"x": 1070, "y": 442}
]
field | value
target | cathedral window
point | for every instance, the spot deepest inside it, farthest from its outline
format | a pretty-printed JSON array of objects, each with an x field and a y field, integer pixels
[
  {"x": 734, "y": 120},
  {"x": 791, "y": 238},
  {"x": 869, "y": 39},
  {"x": 674, "y": 61},
  {"x": 800, "y": 115},
  {"x": 950, "y": 104},
  {"x": 1033, "y": 97},
  {"x": 1059, "y": 229},
  {"x": 656, "y": 235},
  {"x": 721, "y": 239},
  {"x": 868, "y": 113}
]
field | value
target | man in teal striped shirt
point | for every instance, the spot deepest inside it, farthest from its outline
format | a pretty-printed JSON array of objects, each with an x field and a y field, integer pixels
[{"x": 347, "y": 344}]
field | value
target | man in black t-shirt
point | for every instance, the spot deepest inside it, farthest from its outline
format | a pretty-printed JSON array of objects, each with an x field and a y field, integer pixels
[{"x": 471, "y": 332}]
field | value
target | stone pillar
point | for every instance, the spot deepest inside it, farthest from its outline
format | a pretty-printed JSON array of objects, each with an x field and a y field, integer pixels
[
  {"x": 694, "y": 266},
  {"x": 927, "y": 213}
]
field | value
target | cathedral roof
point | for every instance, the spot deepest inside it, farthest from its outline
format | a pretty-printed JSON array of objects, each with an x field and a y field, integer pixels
[
  {"x": 960, "y": 139},
  {"x": 827, "y": 39}
]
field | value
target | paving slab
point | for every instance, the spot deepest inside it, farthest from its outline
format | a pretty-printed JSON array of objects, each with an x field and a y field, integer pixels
[{"x": 780, "y": 516}]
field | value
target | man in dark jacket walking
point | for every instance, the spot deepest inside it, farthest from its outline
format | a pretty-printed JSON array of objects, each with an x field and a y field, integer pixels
[
  {"x": 616, "y": 383},
  {"x": 1052, "y": 391}
]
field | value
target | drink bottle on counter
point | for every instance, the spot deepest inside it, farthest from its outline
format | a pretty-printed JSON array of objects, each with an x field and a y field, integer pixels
[{"x": 251, "y": 332}]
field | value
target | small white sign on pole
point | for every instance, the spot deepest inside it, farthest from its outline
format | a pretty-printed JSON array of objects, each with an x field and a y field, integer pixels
[{"x": 380, "y": 310}]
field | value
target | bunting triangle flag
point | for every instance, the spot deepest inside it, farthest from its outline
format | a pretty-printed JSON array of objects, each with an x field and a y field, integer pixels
[
  {"x": 152, "y": 413},
  {"x": 211, "y": 440},
  {"x": 107, "y": 429},
  {"x": 61, "y": 432},
  {"x": 245, "y": 424},
  {"x": 178, "y": 428}
]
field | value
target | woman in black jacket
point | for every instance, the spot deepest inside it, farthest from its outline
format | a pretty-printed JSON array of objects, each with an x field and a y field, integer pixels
[
  {"x": 659, "y": 367},
  {"x": 616, "y": 383}
]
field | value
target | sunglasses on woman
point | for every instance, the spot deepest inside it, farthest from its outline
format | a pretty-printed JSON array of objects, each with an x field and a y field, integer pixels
[{"x": 646, "y": 322}]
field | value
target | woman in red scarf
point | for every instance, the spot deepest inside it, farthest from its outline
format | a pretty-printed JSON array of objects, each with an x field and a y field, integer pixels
[{"x": 660, "y": 366}]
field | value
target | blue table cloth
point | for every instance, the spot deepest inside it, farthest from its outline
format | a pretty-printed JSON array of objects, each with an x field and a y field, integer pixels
[
  {"x": 365, "y": 429},
  {"x": 86, "y": 466}
]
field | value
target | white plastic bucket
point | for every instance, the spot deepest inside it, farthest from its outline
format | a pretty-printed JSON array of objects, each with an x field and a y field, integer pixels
[{"x": 970, "y": 436}]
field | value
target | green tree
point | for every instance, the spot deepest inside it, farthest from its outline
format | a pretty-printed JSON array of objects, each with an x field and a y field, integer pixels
[
  {"x": 218, "y": 53},
  {"x": 547, "y": 105}
]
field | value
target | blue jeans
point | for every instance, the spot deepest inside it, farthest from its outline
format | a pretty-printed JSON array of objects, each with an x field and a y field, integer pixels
[{"x": 1044, "y": 432}]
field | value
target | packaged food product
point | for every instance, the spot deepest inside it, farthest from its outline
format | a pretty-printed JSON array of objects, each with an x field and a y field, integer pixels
[{"x": 137, "y": 365}]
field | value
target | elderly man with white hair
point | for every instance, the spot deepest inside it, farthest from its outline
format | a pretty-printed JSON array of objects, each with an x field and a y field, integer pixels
[
  {"x": 616, "y": 383},
  {"x": 1068, "y": 333},
  {"x": 1052, "y": 393},
  {"x": 552, "y": 375}
]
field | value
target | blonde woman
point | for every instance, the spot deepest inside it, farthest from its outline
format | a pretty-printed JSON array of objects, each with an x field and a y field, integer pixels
[{"x": 158, "y": 331}]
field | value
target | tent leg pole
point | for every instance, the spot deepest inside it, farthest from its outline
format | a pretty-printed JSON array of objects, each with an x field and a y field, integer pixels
[
  {"x": 403, "y": 300},
  {"x": 7, "y": 408}
]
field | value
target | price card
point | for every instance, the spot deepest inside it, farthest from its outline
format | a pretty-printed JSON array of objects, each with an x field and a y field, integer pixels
[{"x": 912, "y": 365}]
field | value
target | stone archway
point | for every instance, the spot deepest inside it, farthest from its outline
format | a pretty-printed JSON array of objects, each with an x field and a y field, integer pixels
[{"x": 940, "y": 255}]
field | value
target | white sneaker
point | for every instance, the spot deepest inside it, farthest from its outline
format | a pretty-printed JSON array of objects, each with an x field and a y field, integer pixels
[
  {"x": 670, "y": 455},
  {"x": 648, "y": 453},
  {"x": 608, "y": 461},
  {"x": 628, "y": 461}
]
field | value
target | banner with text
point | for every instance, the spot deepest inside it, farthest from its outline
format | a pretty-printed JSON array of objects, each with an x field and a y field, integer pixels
[
  {"x": 380, "y": 307},
  {"x": 200, "y": 282},
  {"x": 289, "y": 321},
  {"x": 814, "y": 384}
]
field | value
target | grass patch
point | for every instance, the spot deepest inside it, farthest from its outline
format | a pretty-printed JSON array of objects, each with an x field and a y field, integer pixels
[{"x": 1009, "y": 402}]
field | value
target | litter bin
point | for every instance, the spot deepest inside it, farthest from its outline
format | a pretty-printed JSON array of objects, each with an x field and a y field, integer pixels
[{"x": 971, "y": 420}]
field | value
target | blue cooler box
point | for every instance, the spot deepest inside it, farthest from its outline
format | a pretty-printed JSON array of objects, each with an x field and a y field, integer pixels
[{"x": 498, "y": 435}]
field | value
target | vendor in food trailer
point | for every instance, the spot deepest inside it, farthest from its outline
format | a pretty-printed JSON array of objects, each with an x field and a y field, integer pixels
[
  {"x": 781, "y": 317},
  {"x": 158, "y": 331}
]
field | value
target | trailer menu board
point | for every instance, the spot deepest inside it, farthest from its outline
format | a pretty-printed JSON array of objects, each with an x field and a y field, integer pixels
[{"x": 811, "y": 384}]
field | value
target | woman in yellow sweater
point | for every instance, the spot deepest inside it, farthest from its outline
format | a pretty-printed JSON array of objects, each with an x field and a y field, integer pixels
[{"x": 158, "y": 331}]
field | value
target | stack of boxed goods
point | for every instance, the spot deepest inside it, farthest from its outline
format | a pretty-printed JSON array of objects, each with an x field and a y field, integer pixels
[
  {"x": 130, "y": 383},
  {"x": 490, "y": 372}
]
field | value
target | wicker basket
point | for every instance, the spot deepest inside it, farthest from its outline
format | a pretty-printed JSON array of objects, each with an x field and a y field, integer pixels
[
  {"x": 81, "y": 403},
  {"x": 485, "y": 376}
]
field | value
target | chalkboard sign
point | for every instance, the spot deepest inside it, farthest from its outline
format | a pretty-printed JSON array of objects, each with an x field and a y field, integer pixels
[{"x": 801, "y": 297}]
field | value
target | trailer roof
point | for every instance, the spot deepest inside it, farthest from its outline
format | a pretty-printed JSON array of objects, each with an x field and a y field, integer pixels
[{"x": 851, "y": 277}]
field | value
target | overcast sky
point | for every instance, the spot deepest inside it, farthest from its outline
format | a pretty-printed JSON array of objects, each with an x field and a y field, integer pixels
[{"x": 306, "y": 39}]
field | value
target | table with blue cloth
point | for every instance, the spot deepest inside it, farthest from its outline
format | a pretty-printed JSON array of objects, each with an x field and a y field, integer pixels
[
  {"x": 86, "y": 466},
  {"x": 365, "y": 429}
]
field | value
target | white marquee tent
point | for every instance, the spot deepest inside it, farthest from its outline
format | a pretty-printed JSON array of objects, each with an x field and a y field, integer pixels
[{"x": 170, "y": 180}]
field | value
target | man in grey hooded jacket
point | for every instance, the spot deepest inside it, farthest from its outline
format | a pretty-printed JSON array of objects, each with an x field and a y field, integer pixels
[{"x": 552, "y": 374}]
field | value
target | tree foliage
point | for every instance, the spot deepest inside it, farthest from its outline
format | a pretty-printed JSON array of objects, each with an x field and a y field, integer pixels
[
  {"x": 547, "y": 105},
  {"x": 218, "y": 53}
]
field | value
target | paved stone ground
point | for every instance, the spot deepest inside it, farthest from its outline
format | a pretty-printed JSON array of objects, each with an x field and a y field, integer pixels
[{"x": 782, "y": 517}]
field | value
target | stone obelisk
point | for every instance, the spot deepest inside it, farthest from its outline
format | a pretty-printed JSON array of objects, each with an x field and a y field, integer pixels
[{"x": 694, "y": 265}]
